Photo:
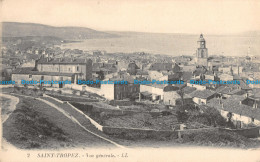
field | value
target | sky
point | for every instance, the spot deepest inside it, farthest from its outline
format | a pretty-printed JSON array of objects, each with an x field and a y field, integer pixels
[{"x": 158, "y": 16}]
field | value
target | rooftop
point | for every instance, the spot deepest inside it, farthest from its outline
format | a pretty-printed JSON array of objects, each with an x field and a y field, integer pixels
[
  {"x": 202, "y": 94},
  {"x": 30, "y": 70},
  {"x": 233, "y": 105},
  {"x": 63, "y": 61}
]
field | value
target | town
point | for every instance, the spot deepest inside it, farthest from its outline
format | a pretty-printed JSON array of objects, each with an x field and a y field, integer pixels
[{"x": 141, "y": 111}]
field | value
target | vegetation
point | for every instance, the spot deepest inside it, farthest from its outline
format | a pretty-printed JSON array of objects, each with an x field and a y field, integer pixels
[
  {"x": 29, "y": 129},
  {"x": 218, "y": 138}
]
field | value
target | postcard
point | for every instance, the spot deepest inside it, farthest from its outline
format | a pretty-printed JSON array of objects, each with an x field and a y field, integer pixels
[{"x": 139, "y": 80}]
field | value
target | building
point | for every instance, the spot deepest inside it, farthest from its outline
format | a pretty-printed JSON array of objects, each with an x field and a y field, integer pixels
[
  {"x": 154, "y": 90},
  {"x": 202, "y": 97},
  {"x": 61, "y": 69},
  {"x": 132, "y": 68},
  {"x": 82, "y": 68},
  {"x": 166, "y": 67},
  {"x": 201, "y": 58},
  {"x": 235, "y": 110},
  {"x": 120, "y": 91},
  {"x": 29, "y": 74},
  {"x": 170, "y": 95}
]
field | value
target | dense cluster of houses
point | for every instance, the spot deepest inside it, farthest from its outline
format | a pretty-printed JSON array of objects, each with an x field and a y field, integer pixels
[{"x": 240, "y": 100}]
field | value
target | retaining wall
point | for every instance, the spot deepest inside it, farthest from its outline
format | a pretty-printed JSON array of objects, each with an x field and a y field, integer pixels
[{"x": 247, "y": 132}]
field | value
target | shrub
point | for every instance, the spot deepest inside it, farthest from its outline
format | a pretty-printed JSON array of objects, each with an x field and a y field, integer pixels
[
  {"x": 210, "y": 117},
  {"x": 34, "y": 145},
  {"x": 182, "y": 116},
  {"x": 81, "y": 93},
  {"x": 59, "y": 91},
  {"x": 74, "y": 92}
]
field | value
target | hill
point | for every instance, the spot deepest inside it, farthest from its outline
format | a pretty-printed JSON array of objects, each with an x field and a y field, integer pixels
[{"x": 15, "y": 29}]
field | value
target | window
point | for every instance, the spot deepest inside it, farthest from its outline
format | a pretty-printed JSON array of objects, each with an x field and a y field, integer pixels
[
  {"x": 253, "y": 120},
  {"x": 77, "y": 68},
  {"x": 30, "y": 76}
]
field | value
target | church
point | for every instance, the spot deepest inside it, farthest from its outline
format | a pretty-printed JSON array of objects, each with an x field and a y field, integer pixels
[{"x": 201, "y": 58}]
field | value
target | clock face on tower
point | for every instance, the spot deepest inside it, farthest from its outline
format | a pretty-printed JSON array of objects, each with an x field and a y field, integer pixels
[{"x": 202, "y": 43}]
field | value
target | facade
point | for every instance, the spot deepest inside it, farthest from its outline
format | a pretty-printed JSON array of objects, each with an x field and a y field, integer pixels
[
  {"x": 82, "y": 68},
  {"x": 155, "y": 90},
  {"x": 120, "y": 91},
  {"x": 170, "y": 95},
  {"x": 28, "y": 74},
  {"x": 202, "y": 97},
  {"x": 61, "y": 69},
  {"x": 237, "y": 109}
]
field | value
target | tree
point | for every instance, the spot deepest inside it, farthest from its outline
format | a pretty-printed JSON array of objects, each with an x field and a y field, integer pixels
[
  {"x": 181, "y": 93},
  {"x": 35, "y": 90},
  {"x": 210, "y": 117},
  {"x": 101, "y": 75},
  {"x": 182, "y": 116}
]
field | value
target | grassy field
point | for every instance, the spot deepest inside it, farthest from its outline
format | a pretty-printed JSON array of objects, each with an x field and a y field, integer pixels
[
  {"x": 4, "y": 102},
  {"x": 36, "y": 125}
]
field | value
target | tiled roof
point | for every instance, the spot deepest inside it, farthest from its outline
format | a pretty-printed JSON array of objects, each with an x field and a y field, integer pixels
[
  {"x": 202, "y": 94},
  {"x": 233, "y": 105},
  {"x": 243, "y": 85},
  {"x": 187, "y": 76},
  {"x": 188, "y": 89},
  {"x": 161, "y": 66},
  {"x": 141, "y": 72},
  {"x": 170, "y": 88},
  {"x": 32, "y": 72},
  {"x": 64, "y": 61},
  {"x": 232, "y": 88},
  {"x": 124, "y": 77},
  {"x": 256, "y": 95}
]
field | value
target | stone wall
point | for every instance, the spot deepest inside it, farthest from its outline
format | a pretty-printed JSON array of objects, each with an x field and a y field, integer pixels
[{"x": 247, "y": 132}]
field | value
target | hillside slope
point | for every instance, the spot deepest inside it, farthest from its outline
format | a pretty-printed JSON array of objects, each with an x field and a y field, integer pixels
[{"x": 14, "y": 29}]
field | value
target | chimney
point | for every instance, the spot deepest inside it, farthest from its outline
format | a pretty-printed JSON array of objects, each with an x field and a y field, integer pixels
[
  {"x": 240, "y": 102},
  {"x": 222, "y": 105},
  {"x": 72, "y": 58}
]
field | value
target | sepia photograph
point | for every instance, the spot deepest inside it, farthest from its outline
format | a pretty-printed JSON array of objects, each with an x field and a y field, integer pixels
[{"x": 136, "y": 80}]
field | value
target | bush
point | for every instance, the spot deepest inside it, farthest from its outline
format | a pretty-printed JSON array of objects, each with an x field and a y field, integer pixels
[
  {"x": 34, "y": 145},
  {"x": 182, "y": 116},
  {"x": 217, "y": 138},
  {"x": 74, "y": 92},
  {"x": 210, "y": 117},
  {"x": 81, "y": 93}
]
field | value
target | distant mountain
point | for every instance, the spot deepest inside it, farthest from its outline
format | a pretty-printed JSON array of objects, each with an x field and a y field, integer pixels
[{"x": 15, "y": 29}]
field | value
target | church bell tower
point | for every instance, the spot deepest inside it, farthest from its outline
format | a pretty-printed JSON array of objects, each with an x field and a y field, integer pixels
[{"x": 202, "y": 51}]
